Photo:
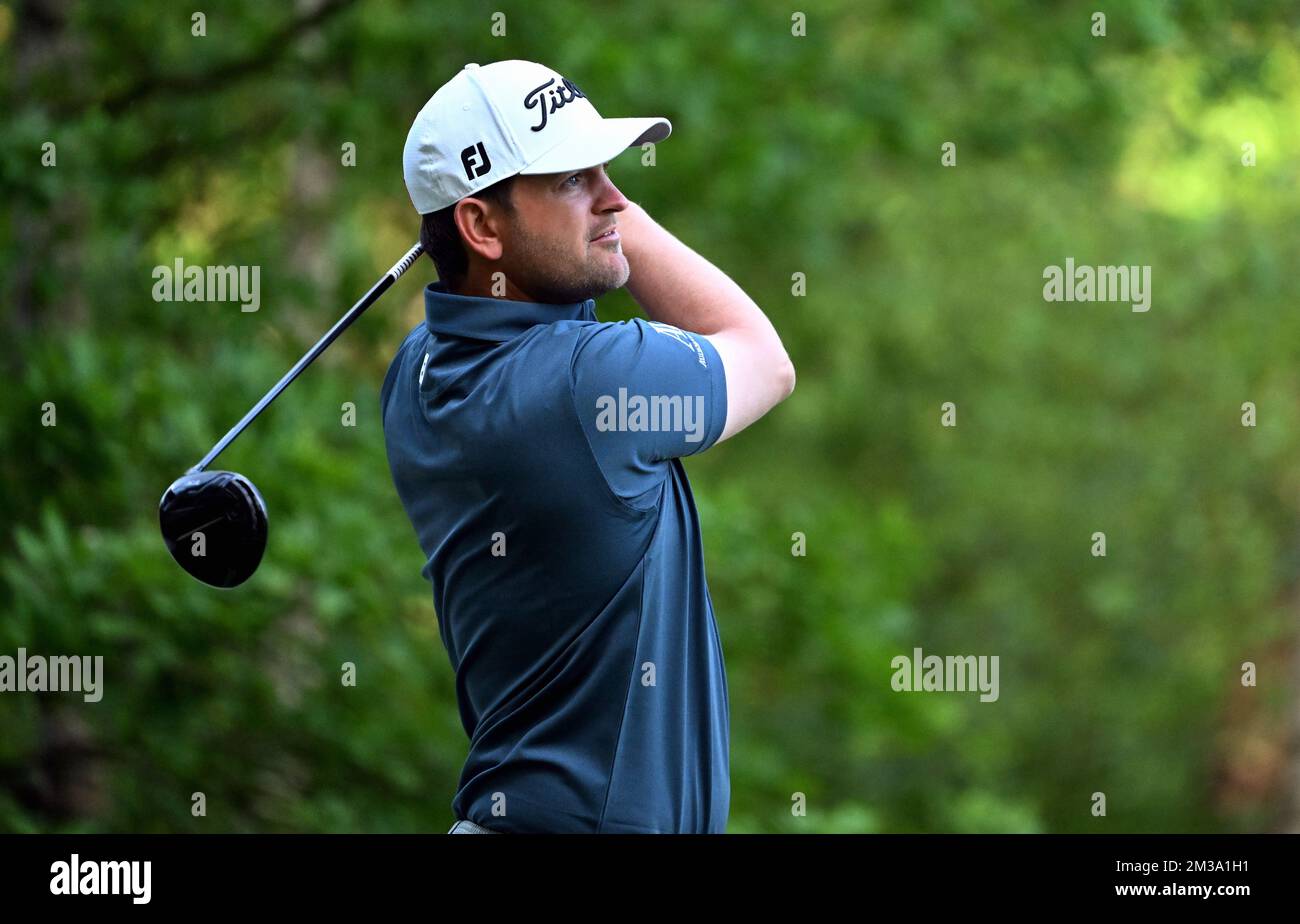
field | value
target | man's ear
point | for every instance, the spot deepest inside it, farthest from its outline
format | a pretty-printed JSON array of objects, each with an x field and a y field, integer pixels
[{"x": 480, "y": 227}]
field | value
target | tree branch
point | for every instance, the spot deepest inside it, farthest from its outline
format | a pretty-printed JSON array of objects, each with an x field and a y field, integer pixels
[{"x": 266, "y": 55}]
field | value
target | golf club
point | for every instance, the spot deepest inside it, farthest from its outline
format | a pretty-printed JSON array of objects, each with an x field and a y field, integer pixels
[{"x": 215, "y": 523}]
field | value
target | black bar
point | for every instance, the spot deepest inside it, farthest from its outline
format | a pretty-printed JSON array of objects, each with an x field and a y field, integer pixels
[{"x": 922, "y": 872}]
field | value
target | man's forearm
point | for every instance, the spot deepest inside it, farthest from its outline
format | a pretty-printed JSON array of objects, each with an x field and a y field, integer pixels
[{"x": 674, "y": 284}]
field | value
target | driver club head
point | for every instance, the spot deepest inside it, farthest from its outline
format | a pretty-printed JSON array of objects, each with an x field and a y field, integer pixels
[{"x": 214, "y": 524}]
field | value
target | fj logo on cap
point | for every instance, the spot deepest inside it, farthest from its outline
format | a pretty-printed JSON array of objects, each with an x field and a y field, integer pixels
[
  {"x": 475, "y": 161},
  {"x": 566, "y": 92}
]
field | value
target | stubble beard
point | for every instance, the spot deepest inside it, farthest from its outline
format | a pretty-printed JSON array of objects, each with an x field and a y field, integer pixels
[{"x": 548, "y": 273}]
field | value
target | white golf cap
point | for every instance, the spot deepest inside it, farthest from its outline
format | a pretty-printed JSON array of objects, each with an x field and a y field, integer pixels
[{"x": 494, "y": 121}]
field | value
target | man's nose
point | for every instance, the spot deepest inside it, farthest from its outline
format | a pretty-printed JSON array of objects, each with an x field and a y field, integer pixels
[{"x": 610, "y": 198}]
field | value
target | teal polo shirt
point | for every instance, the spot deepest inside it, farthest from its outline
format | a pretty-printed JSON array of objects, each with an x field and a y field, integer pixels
[{"x": 536, "y": 451}]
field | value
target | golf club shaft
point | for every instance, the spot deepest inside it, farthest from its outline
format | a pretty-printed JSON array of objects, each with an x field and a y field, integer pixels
[{"x": 378, "y": 289}]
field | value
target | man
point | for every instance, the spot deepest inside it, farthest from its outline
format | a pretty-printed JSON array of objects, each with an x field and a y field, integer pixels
[{"x": 536, "y": 450}]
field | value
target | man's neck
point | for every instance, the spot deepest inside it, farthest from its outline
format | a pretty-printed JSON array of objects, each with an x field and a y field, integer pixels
[{"x": 480, "y": 284}]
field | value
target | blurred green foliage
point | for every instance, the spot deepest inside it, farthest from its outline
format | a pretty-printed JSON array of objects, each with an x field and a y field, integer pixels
[{"x": 816, "y": 154}]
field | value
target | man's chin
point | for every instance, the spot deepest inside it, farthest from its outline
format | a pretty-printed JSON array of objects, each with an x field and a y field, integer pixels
[
  {"x": 612, "y": 276},
  {"x": 623, "y": 274},
  {"x": 616, "y": 269},
  {"x": 599, "y": 279}
]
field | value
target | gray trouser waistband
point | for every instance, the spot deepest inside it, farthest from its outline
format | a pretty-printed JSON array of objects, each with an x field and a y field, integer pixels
[{"x": 468, "y": 827}]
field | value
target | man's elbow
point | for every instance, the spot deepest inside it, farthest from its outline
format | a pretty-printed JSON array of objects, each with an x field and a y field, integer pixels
[{"x": 785, "y": 377}]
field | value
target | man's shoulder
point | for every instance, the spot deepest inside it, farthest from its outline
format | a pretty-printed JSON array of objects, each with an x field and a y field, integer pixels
[
  {"x": 549, "y": 349},
  {"x": 418, "y": 332}
]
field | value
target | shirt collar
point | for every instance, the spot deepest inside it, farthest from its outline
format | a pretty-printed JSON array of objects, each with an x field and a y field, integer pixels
[{"x": 499, "y": 319}]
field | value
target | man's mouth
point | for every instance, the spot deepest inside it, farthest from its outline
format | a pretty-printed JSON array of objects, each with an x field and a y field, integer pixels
[{"x": 610, "y": 235}]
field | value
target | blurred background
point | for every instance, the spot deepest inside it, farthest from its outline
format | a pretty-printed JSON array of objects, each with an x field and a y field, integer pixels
[{"x": 817, "y": 154}]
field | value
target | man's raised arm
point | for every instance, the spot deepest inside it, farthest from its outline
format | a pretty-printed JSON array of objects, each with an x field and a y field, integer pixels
[{"x": 675, "y": 285}]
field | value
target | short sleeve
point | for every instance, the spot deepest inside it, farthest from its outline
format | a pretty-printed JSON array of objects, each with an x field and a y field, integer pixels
[{"x": 646, "y": 392}]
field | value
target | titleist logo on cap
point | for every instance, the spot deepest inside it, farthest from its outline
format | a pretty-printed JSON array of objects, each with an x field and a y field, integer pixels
[{"x": 566, "y": 92}]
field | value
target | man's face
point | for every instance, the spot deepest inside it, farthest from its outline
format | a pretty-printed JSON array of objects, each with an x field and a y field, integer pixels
[{"x": 554, "y": 251}]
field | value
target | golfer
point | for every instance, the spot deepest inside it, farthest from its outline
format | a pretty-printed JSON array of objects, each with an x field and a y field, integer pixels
[{"x": 536, "y": 450}]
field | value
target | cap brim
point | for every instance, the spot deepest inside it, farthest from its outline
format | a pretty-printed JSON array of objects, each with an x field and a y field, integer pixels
[{"x": 603, "y": 142}]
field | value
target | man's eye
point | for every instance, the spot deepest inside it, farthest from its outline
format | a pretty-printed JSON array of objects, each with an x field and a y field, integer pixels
[{"x": 569, "y": 181}]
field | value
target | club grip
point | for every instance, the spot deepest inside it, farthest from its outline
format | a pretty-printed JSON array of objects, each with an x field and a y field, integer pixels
[{"x": 404, "y": 264}]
